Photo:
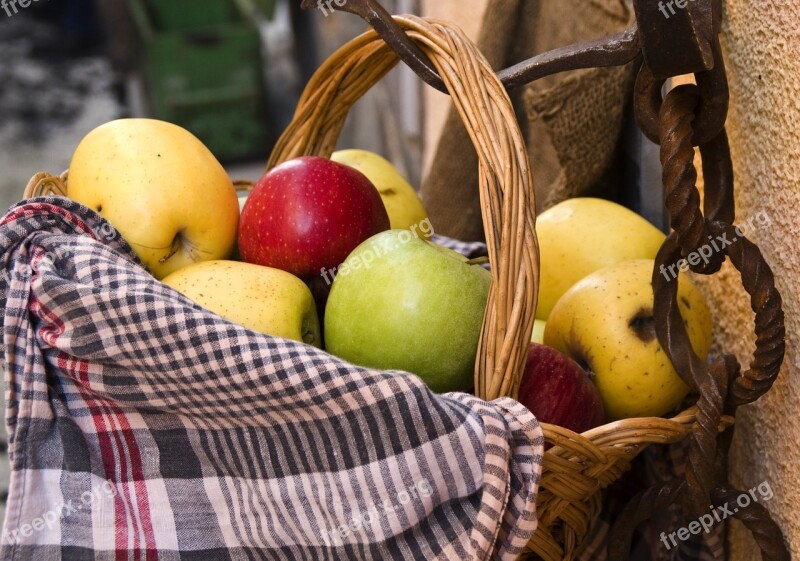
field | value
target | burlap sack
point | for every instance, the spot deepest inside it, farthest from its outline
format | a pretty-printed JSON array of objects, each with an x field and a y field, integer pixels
[{"x": 572, "y": 120}]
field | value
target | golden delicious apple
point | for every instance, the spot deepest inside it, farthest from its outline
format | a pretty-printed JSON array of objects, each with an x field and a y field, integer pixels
[
  {"x": 161, "y": 189},
  {"x": 260, "y": 298},
  {"x": 402, "y": 203},
  {"x": 605, "y": 323},
  {"x": 581, "y": 235}
]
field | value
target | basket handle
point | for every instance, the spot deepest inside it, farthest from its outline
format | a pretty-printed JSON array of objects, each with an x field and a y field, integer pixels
[
  {"x": 505, "y": 180},
  {"x": 43, "y": 184}
]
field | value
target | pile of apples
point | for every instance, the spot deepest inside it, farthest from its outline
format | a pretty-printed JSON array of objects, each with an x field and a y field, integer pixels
[
  {"x": 341, "y": 244},
  {"x": 336, "y": 253},
  {"x": 594, "y": 337}
]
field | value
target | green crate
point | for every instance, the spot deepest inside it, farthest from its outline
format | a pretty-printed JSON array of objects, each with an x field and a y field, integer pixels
[
  {"x": 178, "y": 15},
  {"x": 210, "y": 81}
]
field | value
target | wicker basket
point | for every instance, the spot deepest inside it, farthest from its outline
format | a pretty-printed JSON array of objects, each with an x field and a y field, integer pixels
[{"x": 577, "y": 467}]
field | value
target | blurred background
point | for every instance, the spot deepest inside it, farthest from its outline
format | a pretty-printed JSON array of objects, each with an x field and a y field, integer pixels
[{"x": 230, "y": 71}]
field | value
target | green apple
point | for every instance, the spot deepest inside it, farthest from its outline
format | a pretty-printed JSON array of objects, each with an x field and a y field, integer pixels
[
  {"x": 403, "y": 303},
  {"x": 260, "y": 298},
  {"x": 537, "y": 336},
  {"x": 402, "y": 203},
  {"x": 160, "y": 188},
  {"x": 581, "y": 235},
  {"x": 605, "y": 323}
]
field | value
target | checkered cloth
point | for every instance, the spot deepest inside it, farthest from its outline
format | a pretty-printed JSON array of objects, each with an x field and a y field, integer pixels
[{"x": 142, "y": 426}]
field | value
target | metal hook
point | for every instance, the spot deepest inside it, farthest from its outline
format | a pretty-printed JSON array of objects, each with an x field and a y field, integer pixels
[
  {"x": 388, "y": 29},
  {"x": 679, "y": 42}
]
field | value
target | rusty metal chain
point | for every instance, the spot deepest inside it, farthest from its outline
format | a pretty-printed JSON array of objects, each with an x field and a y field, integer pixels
[
  {"x": 682, "y": 200},
  {"x": 721, "y": 385},
  {"x": 687, "y": 117}
]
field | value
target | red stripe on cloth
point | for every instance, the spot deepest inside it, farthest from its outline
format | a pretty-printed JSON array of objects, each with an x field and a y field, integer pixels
[
  {"x": 101, "y": 409},
  {"x": 137, "y": 474},
  {"x": 55, "y": 327},
  {"x": 79, "y": 370},
  {"x": 32, "y": 209}
]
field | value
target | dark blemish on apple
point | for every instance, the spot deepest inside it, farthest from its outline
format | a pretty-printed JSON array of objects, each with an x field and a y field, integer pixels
[
  {"x": 643, "y": 324},
  {"x": 580, "y": 358},
  {"x": 686, "y": 303},
  {"x": 630, "y": 388},
  {"x": 99, "y": 208}
]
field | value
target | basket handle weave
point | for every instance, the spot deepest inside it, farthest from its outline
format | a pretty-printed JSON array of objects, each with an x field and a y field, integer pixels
[
  {"x": 43, "y": 184},
  {"x": 505, "y": 180}
]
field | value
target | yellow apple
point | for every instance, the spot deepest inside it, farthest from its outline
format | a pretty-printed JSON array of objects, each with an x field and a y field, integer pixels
[
  {"x": 581, "y": 235},
  {"x": 260, "y": 298},
  {"x": 605, "y": 323},
  {"x": 537, "y": 336},
  {"x": 161, "y": 189},
  {"x": 402, "y": 203}
]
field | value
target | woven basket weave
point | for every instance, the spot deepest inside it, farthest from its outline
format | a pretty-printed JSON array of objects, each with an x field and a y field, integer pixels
[{"x": 577, "y": 466}]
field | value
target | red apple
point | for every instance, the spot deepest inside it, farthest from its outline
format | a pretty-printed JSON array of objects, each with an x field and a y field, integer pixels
[
  {"x": 306, "y": 215},
  {"x": 558, "y": 391}
]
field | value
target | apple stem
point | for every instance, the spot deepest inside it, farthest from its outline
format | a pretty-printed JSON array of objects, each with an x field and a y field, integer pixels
[
  {"x": 478, "y": 260},
  {"x": 173, "y": 251}
]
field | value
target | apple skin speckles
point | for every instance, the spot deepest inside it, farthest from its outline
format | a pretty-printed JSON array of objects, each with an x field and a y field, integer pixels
[{"x": 308, "y": 214}]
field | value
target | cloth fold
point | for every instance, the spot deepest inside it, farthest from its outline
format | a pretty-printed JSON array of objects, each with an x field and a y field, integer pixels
[{"x": 142, "y": 426}]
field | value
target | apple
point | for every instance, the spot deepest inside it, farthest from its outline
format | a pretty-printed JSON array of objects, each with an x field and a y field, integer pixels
[
  {"x": 307, "y": 214},
  {"x": 605, "y": 323},
  {"x": 259, "y": 298},
  {"x": 558, "y": 391},
  {"x": 160, "y": 188},
  {"x": 400, "y": 302},
  {"x": 402, "y": 202},
  {"x": 581, "y": 235},
  {"x": 537, "y": 335}
]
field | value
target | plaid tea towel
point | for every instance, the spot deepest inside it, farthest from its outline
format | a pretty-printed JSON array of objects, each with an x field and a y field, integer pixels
[{"x": 143, "y": 427}]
